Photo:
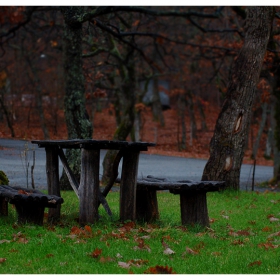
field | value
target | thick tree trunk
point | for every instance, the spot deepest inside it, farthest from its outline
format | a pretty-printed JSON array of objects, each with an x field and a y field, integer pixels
[
  {"x": 77, "y": 119},
  {"x": 276, "y": 124},
  {"x": 231, "y": 131}
]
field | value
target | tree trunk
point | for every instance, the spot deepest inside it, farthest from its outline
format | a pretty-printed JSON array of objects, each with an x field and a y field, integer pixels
[
  {"x": 182, "y": 143},
  {"x": 4, "y": 90},
  {"x": 126, "y": 102},
  {"x": 231, "y": 130},
  {"x": 193, "y": 129},
  {"x": 76, "y": 117},
  {"x": 156, "y": 104}
]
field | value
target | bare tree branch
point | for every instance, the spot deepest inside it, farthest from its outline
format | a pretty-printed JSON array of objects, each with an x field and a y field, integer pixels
[
  {"x": 11, "y": 31},
  {"x": 106, "y": 10}
]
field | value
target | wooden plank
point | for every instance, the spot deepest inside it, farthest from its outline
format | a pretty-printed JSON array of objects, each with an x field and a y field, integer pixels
[
  {"x": 72, "y": 180},
  {"x": 114, "y": 173},
  {"x": 128, "y": 185},
  {"x": 52, "y": 169},
  {"x": 89, "y": 186}
]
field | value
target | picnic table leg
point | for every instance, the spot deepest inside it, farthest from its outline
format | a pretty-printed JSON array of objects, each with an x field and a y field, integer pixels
[
  {"x": 128, "y": 185},
  {"x": 89, "y": 186},
  {"x": 194, "y": 209},
  {"x": 147, "y": 205},
  {"x": 52, "y": 169},
  {"x": 3, "y": 206}
]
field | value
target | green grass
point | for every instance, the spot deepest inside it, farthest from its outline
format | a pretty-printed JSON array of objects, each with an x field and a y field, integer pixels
[{"x": 240, "y": 240}]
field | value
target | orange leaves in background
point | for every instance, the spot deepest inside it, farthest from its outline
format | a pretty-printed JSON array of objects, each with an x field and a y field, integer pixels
[
  {"x": 54, "y": 44},
  {"x": 3, "y": 78},
  {"x": 139, "y": 107},
  {"x": 265, "y": 88},
  {"x": 12, "y": 14}
]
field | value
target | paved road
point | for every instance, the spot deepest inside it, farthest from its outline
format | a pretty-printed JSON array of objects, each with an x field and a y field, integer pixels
[{"x": 12, "y": 162}]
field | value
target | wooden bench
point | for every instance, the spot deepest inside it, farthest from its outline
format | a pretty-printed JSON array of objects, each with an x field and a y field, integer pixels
[
  {"x": 30, "y": 204},
  {"x": 193, "y": 202}
]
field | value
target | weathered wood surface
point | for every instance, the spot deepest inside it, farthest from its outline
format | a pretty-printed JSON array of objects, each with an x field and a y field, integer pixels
[
  {"x": 193, "y": 202},
  {"x": 71, "y": 177},
  {"x": 89, "y": 186},
  {"x": 29, "y": 203},
  {"x": 52, "y": 170},
  {"x": 128, "y": 185},
  {"x": 15, "y": 194},
  {"x": 177, "y": 186},
  {"x": 3, "y": 206},
  {"x": 89, "y": 191},
  {"x": 194, "y": 210},
  {"x": 93, "y": 144},
  {"x": 74, "y": 184},
  {"x": 146, "y": 205}
]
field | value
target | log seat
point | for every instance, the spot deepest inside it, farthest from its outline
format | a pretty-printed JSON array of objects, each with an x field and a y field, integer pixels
[
  {"x": 30, "y": 204},
  {"x": 193, "y": 201}
]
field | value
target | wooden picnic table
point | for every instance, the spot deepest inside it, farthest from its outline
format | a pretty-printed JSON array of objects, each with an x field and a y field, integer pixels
[{"x": 88, "y": 189}]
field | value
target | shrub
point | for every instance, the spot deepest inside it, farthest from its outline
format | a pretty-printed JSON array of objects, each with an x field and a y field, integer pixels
[{"x": 3, "y": 178}]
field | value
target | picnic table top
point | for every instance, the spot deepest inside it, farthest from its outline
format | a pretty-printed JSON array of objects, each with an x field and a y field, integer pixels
[{"x": 93, "y": 144}]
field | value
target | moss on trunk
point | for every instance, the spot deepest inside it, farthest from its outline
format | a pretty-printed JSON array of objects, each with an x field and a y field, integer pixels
[{"x": 76, "y": 117}]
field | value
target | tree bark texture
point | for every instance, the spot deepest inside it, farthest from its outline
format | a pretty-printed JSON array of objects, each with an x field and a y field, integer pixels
[
  {"x": 126, "y": 106},
  {"x": 89, "y": 186},
  {"x": 76, "y": 116},
  {"x": 231, "y": 130},
  {"x": 128, "y": 185}
]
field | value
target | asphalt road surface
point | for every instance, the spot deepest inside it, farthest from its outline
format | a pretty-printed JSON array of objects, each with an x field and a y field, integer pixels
[{"x": 15, "y": 155}]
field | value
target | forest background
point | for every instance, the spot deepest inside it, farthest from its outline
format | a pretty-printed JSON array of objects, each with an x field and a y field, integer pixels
[{"x": 161, "y": 72}]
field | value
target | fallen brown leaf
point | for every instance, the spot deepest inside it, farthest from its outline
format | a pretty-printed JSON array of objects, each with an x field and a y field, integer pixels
[
  {"x": 96, "y": 253},
  {"x": 274, "y": 234},
  {"x": 159, "y": 269},
  {"x": 267, "y": 245},
  {"x": 106, "y": 259},
  {"x": 191, "y": 251},
  {"x": 2, "y": 260},
  {"x": 255, "y": 263}
]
